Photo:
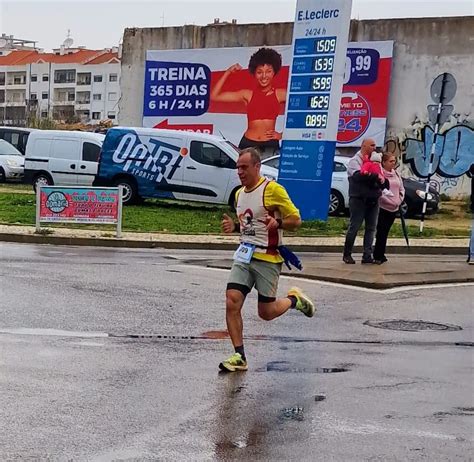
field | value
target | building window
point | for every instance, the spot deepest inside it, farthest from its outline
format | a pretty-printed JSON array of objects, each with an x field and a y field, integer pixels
[
  {"x": 45, "y": 77},
  {"x": 34, "y": 78},
  {"x": 44, "y": 114},
  {"x": 18, "y": 80},
  {"x": 112, "y": 77},
  {"x": 44, "y": 95},
  {"x": 2, "y": 78},
  {"x": 97, "y": 78},
  {"x": 33, "y": 96},
  {"x": 112, "y": 96},
  {"x": 65, "y": 76},
  {"x": 96, "y": 96},
  {"x": 71, "y": 96},
  {"x": 111, "y": 115},
  {"x": 96, "y": 115}
]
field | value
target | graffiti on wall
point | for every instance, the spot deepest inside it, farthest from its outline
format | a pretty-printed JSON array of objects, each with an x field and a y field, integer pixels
[
  {"x": 450, "y": 165},
  {"x": 453, "y": 155}
]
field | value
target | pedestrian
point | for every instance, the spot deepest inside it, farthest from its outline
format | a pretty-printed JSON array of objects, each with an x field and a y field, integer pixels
[
  {"x": 389, "y": 204},
  {"x": 364, "y": 193},
  {"x": 264, "y": 210}
]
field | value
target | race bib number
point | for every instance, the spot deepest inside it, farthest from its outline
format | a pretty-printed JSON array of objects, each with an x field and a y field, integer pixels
[{"x": 244, "y": 253}]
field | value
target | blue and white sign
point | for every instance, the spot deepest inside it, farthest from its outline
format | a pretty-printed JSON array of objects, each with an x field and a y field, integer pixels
[{"x": 320, "y": 38}]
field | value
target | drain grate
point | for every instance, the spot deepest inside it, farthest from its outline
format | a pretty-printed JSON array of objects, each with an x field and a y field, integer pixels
[
  {"x": 286, "y": 367},
  {"x": 412, "y": 326}
]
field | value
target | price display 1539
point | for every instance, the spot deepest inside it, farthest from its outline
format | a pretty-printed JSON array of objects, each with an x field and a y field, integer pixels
[
  {"x": 323, "y": 63},
  {"x": 321, "y": 83},
  {"x": 325, "y": 45}
]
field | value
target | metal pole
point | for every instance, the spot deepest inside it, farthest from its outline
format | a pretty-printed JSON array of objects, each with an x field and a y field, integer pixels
[
  {"x": 119, "y": 213},
  {"x": 38, "y": 208},
  {"x": 432, "y": 152}
]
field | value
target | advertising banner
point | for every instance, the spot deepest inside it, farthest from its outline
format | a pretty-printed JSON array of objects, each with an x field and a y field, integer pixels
[
  {"x": 179, "y": 83},
  {"x": 58, "y": 204}
]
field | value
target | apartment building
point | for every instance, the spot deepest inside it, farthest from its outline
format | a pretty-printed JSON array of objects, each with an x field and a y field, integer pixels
[{"x": 69, "y": 84}]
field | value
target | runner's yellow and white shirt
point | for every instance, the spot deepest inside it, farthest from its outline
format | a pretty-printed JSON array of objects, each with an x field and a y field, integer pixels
[{"x": 267, "y": 197}]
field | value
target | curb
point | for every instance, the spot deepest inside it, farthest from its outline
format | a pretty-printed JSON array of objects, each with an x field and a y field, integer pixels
[{"x": 135, "y": 244}]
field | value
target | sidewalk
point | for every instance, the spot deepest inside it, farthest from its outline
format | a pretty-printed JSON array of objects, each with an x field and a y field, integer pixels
[
  {"x": 67, "y": 236},
  {"x": 427, "y": 261}
]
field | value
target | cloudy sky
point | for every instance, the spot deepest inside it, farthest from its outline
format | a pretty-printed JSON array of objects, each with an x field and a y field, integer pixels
[{"x": 100, "y": 23}]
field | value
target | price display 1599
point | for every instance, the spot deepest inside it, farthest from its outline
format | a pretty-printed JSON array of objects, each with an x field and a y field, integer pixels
[{"x": 321, "y": 83}]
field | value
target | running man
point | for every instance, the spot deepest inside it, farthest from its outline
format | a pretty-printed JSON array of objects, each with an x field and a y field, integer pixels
[{"x": 264, "y": 210}]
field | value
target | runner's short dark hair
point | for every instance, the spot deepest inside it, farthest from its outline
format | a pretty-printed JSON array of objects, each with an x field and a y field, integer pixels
[
  {"x": 254, "y": 154},
  {"x": 265, "y": 56}
]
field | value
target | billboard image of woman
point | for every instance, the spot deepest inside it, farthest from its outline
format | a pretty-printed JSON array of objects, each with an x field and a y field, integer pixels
[{"x": 263, "y": 102}]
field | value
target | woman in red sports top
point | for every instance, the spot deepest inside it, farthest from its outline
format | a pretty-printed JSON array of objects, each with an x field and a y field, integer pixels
[{"x": 263, "y": 102}]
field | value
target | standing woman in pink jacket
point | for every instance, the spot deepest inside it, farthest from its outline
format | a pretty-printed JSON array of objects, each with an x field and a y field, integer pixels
[{"x": 389, "y": 202}]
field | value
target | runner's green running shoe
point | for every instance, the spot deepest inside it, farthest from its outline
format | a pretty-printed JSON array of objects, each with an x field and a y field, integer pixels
[
  {"x": 234, "y": 363},
  {"x": 303, "y": 303}
]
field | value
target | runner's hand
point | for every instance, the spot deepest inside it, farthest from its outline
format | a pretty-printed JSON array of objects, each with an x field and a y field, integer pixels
[
  {"x": 270, "y": 222},
  {"x": 227, "y": 224}
]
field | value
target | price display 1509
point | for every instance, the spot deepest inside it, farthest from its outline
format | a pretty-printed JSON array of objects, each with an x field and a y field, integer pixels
[
  {"x": 325, "y": 45},
  {"x": 323, "y": 64},
  {"x": 321, "y": 83}
]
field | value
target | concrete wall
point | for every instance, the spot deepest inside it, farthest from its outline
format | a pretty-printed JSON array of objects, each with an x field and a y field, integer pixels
[{"x": 424, "y": 48}]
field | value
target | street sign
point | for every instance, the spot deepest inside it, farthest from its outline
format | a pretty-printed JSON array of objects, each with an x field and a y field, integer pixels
[
  {"x": 446, "y": 111},
  {"x": 446, "y": 94}
]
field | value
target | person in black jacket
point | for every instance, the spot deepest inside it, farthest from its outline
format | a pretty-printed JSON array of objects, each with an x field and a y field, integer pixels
[{"x": 364, "y": 193}]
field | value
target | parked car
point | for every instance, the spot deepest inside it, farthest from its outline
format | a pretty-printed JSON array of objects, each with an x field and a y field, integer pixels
[
  {"x": 11, "y": 163},
  {"x": 150, "y": 162},
  {"x": 61, "y": 157},
  {"x": 16, "y": 136},
  {"x": 414, "y": 198},
  {"x": 339, "y": 196}
]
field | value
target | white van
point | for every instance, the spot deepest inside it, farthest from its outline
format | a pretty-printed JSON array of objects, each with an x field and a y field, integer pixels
[
  {"x": 150, "y": 162},
  {"x": 60, "y": 157}
]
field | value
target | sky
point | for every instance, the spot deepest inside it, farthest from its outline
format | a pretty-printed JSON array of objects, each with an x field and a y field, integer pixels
[{"x": 98, "y": 24}]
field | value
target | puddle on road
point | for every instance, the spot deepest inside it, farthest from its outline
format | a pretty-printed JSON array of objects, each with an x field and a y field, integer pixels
[{"x": 291, "y": 413}]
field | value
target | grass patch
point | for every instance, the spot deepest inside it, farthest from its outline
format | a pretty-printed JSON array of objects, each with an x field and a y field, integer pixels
[{"x": 179, "y": 217}]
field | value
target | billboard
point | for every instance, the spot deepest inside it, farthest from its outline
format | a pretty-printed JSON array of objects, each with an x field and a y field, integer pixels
[{"x": 180, "y": 92}]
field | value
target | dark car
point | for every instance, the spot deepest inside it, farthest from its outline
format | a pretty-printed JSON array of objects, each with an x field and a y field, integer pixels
[
  {"x": 414, "y": 195},
  {"x": 339, "y": 197},
  {"x": 16, "y": 136}
]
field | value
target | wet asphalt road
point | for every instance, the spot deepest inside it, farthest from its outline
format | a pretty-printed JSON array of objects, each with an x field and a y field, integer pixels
[{"x": 109, "y": 354}]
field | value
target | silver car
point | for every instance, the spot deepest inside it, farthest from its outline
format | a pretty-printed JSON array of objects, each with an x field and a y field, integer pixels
[
  {"x": 339, "y": 196},
  {"x": 12, "y": 163}
]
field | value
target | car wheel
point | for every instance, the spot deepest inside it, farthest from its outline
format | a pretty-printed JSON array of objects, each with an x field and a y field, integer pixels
[
  {"x": 130, "y": 194},
  {"x": 42, "y": 180},
  {"x": 336, "y": 203},
  {"x": 3, "y": 177}
]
